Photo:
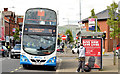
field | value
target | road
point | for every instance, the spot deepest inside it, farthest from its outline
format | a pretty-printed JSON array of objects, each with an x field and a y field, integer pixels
[
  {"x": 13, "y": 65},
  {"x": 64, "y": 64}
]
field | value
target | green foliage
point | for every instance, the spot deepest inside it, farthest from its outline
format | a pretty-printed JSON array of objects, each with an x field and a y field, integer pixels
[
  {"x": 16, "y": 34},
  {"x": 70, "y": 35},
  {"x": 112, "y": 21},
  {"x": 93, "y": 16},
  {"x": 60, "y": 39}
]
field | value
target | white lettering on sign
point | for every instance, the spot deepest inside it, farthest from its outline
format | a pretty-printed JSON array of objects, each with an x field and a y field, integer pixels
[
  {"x": 94, "y": 43},
  {"x": 86, "y": 43}
]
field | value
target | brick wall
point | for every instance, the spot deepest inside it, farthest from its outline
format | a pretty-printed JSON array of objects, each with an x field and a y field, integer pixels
[{"x": 105, "y": 28}]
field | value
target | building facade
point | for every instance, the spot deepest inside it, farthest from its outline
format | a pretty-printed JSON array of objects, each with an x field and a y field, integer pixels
[
  {"x": 10, "y": 21},
  {"x": 104, "y": 27}
]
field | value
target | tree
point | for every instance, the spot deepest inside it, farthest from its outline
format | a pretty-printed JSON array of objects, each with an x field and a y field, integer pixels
[
  {"x": 94, "y": 16},
  {"x": 70, "y": 37},
  {"x": 113, "y": 24},
  {"x": 16, "y": 34}
]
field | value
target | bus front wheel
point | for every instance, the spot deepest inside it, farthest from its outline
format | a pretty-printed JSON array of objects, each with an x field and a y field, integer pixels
[
  {"x": 54, "y": 68},
  {"x": 25, "y": 66}
]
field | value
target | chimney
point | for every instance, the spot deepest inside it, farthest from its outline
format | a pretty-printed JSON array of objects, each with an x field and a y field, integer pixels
[{"x": 5, "y": 9}]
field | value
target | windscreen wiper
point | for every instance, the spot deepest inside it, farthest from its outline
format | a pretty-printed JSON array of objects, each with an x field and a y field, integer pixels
[{"x": 40, "y": 49}]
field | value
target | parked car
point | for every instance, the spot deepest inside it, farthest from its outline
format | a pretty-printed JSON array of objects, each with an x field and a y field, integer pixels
[
  {"x": 60, "y": 49},
  {"x": 117, "y": 49},
  {"x": 74, "y": 50},
  {"x": 4, "y": 51},
  {"x": 15, "y": 52}
]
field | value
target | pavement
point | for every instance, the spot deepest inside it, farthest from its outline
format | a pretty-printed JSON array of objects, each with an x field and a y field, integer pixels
[
  {"x": 107, "y": 62},
  {"x": 68, "y": 53}
]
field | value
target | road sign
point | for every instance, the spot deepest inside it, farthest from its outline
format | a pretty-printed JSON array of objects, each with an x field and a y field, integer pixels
[
  {"x": 13, "y": 30},
  {"x": 64, "y": 37},
  {"x": 91, "y": 23}
]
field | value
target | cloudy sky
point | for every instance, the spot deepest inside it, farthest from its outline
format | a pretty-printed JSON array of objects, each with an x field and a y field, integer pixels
[{"x": 67, "y": 9}]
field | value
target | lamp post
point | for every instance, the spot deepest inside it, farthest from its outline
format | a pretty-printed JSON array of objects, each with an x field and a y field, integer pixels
[{"x": 80, "y": 18}]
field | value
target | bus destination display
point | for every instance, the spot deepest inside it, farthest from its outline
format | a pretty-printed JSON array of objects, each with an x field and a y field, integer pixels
[{"x": 40, "y": 30}]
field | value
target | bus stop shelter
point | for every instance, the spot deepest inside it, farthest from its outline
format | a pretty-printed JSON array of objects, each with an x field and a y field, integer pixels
[{"x": 86, "y": 33}]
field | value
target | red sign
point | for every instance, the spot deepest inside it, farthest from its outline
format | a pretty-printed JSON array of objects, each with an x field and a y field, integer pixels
[
  {"x": 2, "y": 38},
  {"x": 41, "y": 13},
  {"x": 63, "y": 37},
  {"x": 76, "y": 37},
  {"x": 93, "y": 47}
]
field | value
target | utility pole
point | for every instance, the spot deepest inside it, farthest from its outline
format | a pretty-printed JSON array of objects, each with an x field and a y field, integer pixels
[
  {"x": 80, "y": 9},
  {"x": 80, "y": 18}
]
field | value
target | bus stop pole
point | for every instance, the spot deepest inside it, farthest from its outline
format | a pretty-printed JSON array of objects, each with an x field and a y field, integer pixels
[{"x": 96, "y": 24}]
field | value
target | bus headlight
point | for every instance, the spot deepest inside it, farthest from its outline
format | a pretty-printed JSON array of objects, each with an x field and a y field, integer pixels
[
  {"x": 54, "y": 58},
  {"x": 26, "y": 60},
  {"x": 22, "y": 59},
  {"x": 50, "y": 61}
]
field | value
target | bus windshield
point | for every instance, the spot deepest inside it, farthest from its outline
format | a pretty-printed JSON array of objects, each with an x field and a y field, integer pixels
[
  {"x": 40, "y": 17},
  {"x": 39, "y": 45}
]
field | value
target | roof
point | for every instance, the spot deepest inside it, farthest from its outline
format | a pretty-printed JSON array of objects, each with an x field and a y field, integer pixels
[
  {"x": 101, "y": 15},
  {"x": 83, "y": 33}
]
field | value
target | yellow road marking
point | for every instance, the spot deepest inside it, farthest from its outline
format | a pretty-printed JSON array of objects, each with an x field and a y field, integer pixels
[
  {"x": 16, "y": 69},
  {"x": 20, "y": 67},
  {"x": 12, "y": 71}
]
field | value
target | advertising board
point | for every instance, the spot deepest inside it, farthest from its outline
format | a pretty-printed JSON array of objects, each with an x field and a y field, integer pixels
[{"x": 93, "y": 48}]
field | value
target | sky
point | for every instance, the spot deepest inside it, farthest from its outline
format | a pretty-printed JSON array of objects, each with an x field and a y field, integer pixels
[{"x": 68, "y": 10}]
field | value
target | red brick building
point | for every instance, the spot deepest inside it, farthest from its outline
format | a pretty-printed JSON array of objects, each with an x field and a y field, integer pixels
[
  {"x": 104, "y": 27},
  {"x": 10, "y": 21}
]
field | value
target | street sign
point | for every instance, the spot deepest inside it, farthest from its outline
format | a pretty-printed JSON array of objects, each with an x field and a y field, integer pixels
[
  {"x": 93, "y": 48},
  {"x": 64, "y": 37},
  {"x": 7, "y": 39},
  {"x": 13, "y": 30},
  {"x": 91, "y": 23},
  {"x": 2, "y": 34},
  {"x": 76, "y": 37}
]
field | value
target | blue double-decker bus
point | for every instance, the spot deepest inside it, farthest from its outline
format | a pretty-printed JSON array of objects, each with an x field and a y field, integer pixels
[{"x": 39, "y": 38}]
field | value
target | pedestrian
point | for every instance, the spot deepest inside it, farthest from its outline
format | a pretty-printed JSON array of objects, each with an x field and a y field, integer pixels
[
  {"x": 71, "y": 46},
  {"x": 81, "y": 58},
  {"x": 78, "y": 44},
  {"x": 2, "y": 50},
  {"x": 9, "y": 50}
]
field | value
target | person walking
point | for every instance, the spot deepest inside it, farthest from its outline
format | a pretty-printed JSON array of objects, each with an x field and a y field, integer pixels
[{"x": 81, "y": 54}]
